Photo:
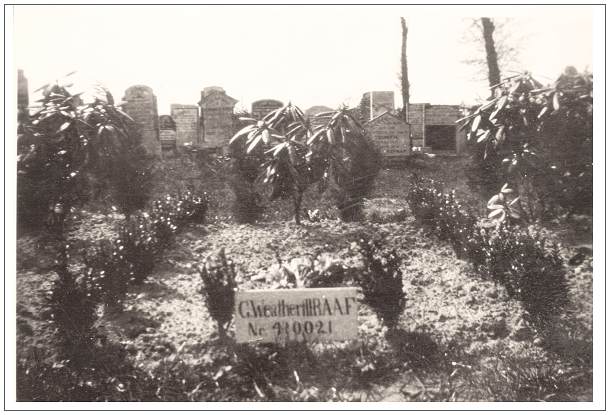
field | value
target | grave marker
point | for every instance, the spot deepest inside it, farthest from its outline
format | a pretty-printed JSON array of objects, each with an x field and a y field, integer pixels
[
  {"x": 390, "y": 134},
  {"x": 308, "y": 314},
  {"x": 141, "y": 105},
  {"x": 263, "y": 107}
]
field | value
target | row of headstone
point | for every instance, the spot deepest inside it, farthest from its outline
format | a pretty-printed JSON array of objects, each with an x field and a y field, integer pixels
[{"x": 208, "y": 125}]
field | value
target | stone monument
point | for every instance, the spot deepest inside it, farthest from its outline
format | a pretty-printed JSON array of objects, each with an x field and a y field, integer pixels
[
  {"x": 390, "y": 134},
  {"x": 217, "y": 117},
  {"x": 263, "y": 107},
  {"x": 186, "y": 119},
  {"x": 167, "y": 132},
  {"x": 141, "y": 104}
]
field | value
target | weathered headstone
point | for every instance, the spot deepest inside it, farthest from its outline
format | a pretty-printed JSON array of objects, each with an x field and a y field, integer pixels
[
  {"x": 217, "y": 117},
  {"x": 186, "y": 118},
  {"x": 22, "y": 90},
  {"x": 310, "y": 315},
  {"x": 390, "y": 134},
  {"x": 311, "y": 113},
  {"x": 263, "y": 107},
  {"x": 23, "y": 100},
  {"x": 141, "y": 105},
  {"x": 378, "y": 102},
  {"x": 167, "y": 132}
]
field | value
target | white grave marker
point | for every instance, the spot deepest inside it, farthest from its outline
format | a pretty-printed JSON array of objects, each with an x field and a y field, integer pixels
[{"x": 309, "y": 314}]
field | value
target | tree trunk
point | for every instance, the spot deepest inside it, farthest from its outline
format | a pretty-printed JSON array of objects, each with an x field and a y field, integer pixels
[
  {"x": 404, "y": 73},
  {"x": 490, "y": 51}
]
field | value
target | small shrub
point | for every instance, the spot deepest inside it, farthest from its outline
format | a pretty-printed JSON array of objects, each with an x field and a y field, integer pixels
[
  {"x": 381, "y": 280},
  {"x": 73, "y": 311},
  {"x": 138, "y": 246},
  {"x": 519, "y": 259},
  {"x": 107, "y": 273},
  {"x": 247, "y": 202},
  {"x": 531, "y": 271},
  {"x": 191, "y": 209},
  {"x": 218, "y": 277},
  {"x": 163, "y": 217},
  {"x": 355, "y": 177}
]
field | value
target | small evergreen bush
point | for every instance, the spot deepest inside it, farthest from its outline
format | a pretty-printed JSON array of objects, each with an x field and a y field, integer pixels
[
  {"x": 219, "y": 286},
  {"x": 519, "y": 259},
  {"x": 381, "y": 280}
]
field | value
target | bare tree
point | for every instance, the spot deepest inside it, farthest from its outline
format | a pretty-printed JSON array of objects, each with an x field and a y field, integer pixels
[
  {"x": 493, "y": 70},
  {"x": 404, "y": 71},
  {"x": 496, "y": 47}
]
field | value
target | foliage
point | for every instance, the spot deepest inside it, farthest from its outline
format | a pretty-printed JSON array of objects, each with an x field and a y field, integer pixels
[
  {"x": 247, "y": 206},
  {"x": 381, "y": 279},
  {"x": 335, "y": 152},
  {"x": 130, "y": 180},
  {"x": 219, "y": 286},
  {"x": 73, "y": 310},
  {"x": 540, "y": 139},
  {"x": 62, "y": 145},
  {"x": 326, "y": 271},
  {"x": 519, "y": 259},
  {"x": 530, "y": 269},
  {"x": 107, "y": 272},
  {"x": 138, "y": 245}
]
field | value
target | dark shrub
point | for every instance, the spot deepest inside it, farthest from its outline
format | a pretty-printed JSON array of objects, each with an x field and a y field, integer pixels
[
  {"x": 163, "y": 218},
  {"x": 218, "y": 277},
  {"x": 355, "y": 177},
  {"x": 518, "y": 259},
  {"x": 531, "y": 271},
  {"x": 107, "y": 272},
  {"x": 138, "y": 246},
  {"x": 245, "y": 168},
  {"x": 381, "y": 280},
  {"x": 191, "y": 209},
  {"x": 73, "y": 311}
]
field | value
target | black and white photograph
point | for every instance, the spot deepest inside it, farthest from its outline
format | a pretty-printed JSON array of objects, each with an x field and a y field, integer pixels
[{"x": 339, "y": 207}]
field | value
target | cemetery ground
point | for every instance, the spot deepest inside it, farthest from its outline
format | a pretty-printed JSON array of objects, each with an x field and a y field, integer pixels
[{"x": 460, "y": 337}]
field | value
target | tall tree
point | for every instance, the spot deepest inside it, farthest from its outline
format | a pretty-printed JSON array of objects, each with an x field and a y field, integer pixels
[
  {"x": 404, "y": 71},
  {"x": 495, "y": 45},
  {"x": 493, "y": 69}
]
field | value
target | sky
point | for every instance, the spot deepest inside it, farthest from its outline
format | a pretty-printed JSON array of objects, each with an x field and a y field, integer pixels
[{"x": 309, "y": 55}]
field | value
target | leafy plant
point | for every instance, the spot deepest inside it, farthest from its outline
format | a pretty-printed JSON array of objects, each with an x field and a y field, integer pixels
[
  {"x": 381, "y": 280},
  {"x": 219, "y": 286},
  {"x": 540, "y": 140},
  {"x": 107, "y": 273},
  {"x": 519, "y": 259},
  {"x": 62, "y": 145},
  {"x": 335, "y": 152},
  {"x": 73, "y": 311},
  {"x": 138, "y": 246}
]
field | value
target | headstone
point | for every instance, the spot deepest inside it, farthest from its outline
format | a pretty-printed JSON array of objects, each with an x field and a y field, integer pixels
[
  {"x": 141, "y": 105},
  {"x": 263, "y": 107},
  {"x": 167, "y": 132},
  {"x": 309, "y": 314},
  {"x": 23, "y": 112},
  {"x": 378, "y": 102},
  {"x": 390, "y": 134},
  {"x": 217, "y": 117},
  {"x": 311, "y": 113},
  {"x": 22, "y": 90},
  {"x": 186, "y": 118}
]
